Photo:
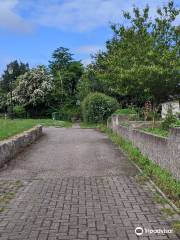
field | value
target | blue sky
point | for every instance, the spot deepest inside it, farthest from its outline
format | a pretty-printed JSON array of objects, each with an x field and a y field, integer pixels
[{"x": 31, "y": 29}]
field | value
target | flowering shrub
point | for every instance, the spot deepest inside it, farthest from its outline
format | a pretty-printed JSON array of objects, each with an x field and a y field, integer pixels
[
  {"x": 33, "y": 87},
  {"x": 97, "y": 107}
]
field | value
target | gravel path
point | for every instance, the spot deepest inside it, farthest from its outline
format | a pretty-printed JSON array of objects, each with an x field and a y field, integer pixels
[{"x": 78, "y": 185}]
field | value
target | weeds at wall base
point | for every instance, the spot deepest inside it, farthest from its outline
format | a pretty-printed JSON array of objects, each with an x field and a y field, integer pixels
[{"x": 162, "y": 178}]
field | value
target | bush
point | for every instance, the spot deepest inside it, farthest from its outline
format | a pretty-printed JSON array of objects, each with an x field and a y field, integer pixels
[
  {"x": 97, "y": 107},
  {"x": 176, "y": 124},
  {"x": 19, "y": 111},
  {"x": 169, "y": 120}
]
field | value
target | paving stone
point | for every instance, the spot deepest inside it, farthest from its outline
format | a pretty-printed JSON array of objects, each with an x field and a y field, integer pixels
[{"x": 79, "y": 202}]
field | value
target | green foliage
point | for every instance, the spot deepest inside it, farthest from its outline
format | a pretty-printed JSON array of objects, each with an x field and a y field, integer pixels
[
  {"x": 168, "y": 212},
  {"x": 43, "y": 91},
  {"x": 141, "y": 178},
  {"x": 142, "y": 59},
  {"x": 84, "y": 86},
  {"x": 157, "y": 131},
  {"x": 2, "y": 100},
  {"x": 70, "y": 113},
  {"x": 153, "y": 116},
  {"x": 159, "y": 199},
  {"x": 176, "y": 124},
  {"x": 61, "y": 58},
  {"x": 55, "y": 116},
  {"x": 33, "y": 90},
  {"x": 89, "y": 82},
  {"x": 176, "y": 226},
  {"x": 163, "y": 179},
  {"x": 8, "y": 81},
  {"x": 169, "y": 120},
  {"x": 67, "y": 73},
  {"x": 17, "y": 70},
  {"x": 19, "y": 111},
  {"x": 97, "y": 107},
  {"x": 125, "y": 111}
]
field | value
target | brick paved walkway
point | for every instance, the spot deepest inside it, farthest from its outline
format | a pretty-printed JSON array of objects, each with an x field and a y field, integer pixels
[{"x": 78, "y": 185}]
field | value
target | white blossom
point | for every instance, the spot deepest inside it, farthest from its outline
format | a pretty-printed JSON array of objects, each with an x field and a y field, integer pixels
[{"x": 33, "y": 86}]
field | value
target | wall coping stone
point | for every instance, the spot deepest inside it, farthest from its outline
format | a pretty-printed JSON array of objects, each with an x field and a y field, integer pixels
[
  {"x": 10, "y": 147},
  {"x": 164, "y": 151}
]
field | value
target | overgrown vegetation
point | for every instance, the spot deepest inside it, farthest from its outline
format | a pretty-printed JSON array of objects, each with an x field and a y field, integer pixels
[
  {"x": 97, "y": 107},
  {"x": 176, "y": 124},
  {"x": 163, "y": 130},
  {"x": 40, "y": 91},
  {"x": 168, "y": 211},
  {"x": 162, "y": 178},
  {"x": 141, "y": 61},
  {"x": 140, "y": 64},
  {"x": 157, "y": 131},
  {"x": 176, "y": 226},
  {"x": 159, "y": 199},
  {"x": 8, "y": 190},
  {"x": 125, "y": 111},
  {"x": 169, "y": 120},
  {"x": 9, "y": 128}
]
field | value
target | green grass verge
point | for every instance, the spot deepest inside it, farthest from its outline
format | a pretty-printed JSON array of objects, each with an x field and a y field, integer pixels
[
  {"x": 88, "y": 125},
  {"x": 157, "y": 131},
  {"x": 125, "y": 111},
  {"x": 159, "y": 199},
  {"x": 176, "y": 226},
  {"x": 162, "y": 178},
  {"x": 168, "y": 212},
  {"x": 10, "y": 128}
]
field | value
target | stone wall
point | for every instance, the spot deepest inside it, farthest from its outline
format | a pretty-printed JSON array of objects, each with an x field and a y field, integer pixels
[
  {"x": 163, "y": 151},
  {"x": 11, "y": 147}
]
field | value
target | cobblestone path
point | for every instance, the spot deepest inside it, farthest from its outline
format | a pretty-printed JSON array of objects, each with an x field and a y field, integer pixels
[{"x": 77, "y": 185}]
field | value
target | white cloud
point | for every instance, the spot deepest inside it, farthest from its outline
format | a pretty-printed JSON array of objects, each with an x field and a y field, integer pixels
[
  {"x": 86, "y": 61},
  {"x": 68, "y": 15},
  {"x": 9, "y": 19},
  {"x": 79, "y": 15},
  {"x": 82, "y": 15},
  {"x": 89, "y": 49}
]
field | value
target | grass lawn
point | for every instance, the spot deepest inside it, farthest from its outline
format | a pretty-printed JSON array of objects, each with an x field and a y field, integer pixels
[
  {"x": 159, "y": 131},
  {"x": 9, "y": 127},
  {"x": 125, "y": 111},
  {"x": 156, "y": 131}
]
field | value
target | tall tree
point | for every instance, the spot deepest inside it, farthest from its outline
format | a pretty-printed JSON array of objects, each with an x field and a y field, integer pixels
[
  {"x": 18, "y": 68},
  {"x": 142, "y": 60},
  {"x": 61, "y": 58},
  {"x": 66, "y": 72}
]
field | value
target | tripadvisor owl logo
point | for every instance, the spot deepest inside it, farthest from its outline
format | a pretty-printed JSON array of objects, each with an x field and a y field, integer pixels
[{"x": 139, "y": 231}]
